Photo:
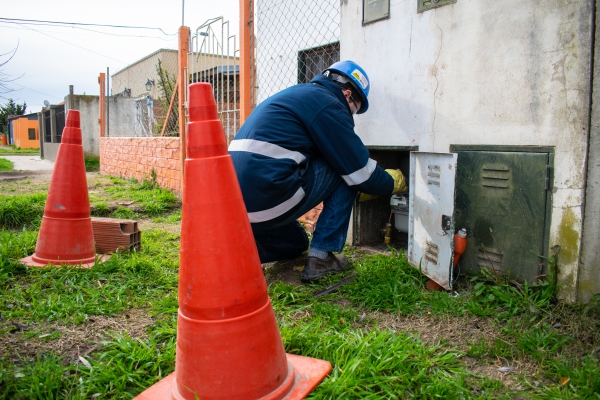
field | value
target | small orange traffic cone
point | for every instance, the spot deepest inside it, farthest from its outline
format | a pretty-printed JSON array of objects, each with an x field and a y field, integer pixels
[
  {"x": 66, "y": 235},
  {"x": 228, "y": 343}
]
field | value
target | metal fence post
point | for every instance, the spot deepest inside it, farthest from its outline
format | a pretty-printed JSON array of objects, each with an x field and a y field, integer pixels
[
  {"x": 102, "y": 105},
  {"x": 183, "y": 50},
  {"x": 246, "y": 28}
]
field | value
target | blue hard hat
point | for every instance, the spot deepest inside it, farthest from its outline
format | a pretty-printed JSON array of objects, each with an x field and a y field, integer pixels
[{"x": 357, "y": 77}]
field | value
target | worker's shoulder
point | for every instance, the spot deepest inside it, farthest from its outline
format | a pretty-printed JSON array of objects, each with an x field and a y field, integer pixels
[
  {"x": 312, "y": 88},
  {"x": 305, "y": 97}
]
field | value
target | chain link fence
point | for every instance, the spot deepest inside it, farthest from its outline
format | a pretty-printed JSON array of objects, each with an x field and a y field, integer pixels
[
  {"x": 141, "y": 99},
  {"x": 292, "y": 41}
]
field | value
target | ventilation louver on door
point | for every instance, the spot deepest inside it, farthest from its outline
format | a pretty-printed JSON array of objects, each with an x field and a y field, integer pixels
[{"x": 495, "y": 177}]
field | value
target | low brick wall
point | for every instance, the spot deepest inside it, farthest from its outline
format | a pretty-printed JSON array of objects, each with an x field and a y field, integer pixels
[
  {"x": 132, "y": 157},
  {"x": 135, "y": 157}
]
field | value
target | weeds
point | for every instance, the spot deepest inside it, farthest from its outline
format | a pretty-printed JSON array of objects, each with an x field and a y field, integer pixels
[
  {"x": 146, "y": 198},
  {"x": 71, "y": 295},
  {"x": 387, "y": 283},
  {"x": 524, "y": 323},
  {"x": 380, "y": 364},
  {"x": 122, "y": 367},
  {"x": 5, "y": 165},
  {"x": 172, "y": 218},
  {"x": 21, "y": 211},
  {"x": 92, "y": 163},
  {"x": 17, "y": 151}
]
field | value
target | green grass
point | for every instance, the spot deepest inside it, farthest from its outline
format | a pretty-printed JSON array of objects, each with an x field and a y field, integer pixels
[
  {"x": 21, "y": 210},
  {"x": 368, "y": 361},
  {"x": 5, "y": 165},
  {"x": 172, "y": 218},
  {"x": 15, "y": 151},
  {"x": 124, "y": 368},
  {"x": 524, "y": 324},
  {"x": 147, "y": 200},
  {"x": 70, "y": 295},
  {"x": 27, "y": 210},
  {"x": 92, "y": 163}
]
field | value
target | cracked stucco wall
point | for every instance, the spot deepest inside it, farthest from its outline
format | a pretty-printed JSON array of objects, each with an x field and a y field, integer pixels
[{"x": 484, "y": 72}]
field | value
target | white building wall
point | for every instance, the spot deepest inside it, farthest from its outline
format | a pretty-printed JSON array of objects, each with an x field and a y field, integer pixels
[
  {"x": 282, "y": 29},
  {"x": 484, "y": 72}
]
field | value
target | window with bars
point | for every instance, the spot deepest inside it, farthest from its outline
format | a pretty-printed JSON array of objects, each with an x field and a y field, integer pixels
[
  {"x": 311, "y": 62},
  {"x": 59, "y": 115},
  {"x": 47, "y": 127}
]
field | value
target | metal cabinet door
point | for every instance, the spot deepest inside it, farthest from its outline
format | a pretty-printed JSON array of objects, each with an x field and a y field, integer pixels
[
  {"x": 501, "y": 201},
  {"x": 431, "y": 210}
]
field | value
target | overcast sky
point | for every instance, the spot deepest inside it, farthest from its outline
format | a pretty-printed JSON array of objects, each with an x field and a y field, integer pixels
[{"x": 50, "y": 57}]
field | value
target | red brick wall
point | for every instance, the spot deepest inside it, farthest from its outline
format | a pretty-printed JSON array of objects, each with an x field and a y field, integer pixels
[{"x": 133, "y": 157}]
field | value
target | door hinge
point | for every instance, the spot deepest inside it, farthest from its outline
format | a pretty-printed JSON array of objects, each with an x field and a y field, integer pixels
[{"x": 547, "y": 185}]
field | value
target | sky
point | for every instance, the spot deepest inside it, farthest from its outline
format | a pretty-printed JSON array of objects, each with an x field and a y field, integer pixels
[{"x": 50, "y": 57}]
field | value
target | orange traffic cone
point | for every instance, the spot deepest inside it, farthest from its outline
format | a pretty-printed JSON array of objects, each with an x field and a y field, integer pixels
[
  {"x": 228, "y": 343},
  {"x": 66, "y": 235}
]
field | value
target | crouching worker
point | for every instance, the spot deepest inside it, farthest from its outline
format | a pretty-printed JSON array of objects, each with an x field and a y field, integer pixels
[{"x": 298, "y": 149}]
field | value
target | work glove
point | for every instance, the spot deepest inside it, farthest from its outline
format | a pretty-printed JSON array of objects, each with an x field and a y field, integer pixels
[
  {"x": 400, "y": 185},
  {"x": 366, "y": 197}
]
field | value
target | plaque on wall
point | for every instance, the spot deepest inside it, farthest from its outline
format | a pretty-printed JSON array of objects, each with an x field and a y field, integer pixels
[{"x": 375, "y": 10}]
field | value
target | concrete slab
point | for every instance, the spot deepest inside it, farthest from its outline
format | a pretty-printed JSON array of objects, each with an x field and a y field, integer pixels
[{"x": 29, "y": 163}]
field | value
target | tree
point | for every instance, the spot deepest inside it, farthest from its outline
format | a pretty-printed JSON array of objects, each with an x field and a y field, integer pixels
[
  {"x": 10, "y": 108},
  {"x": 167, "y": 83}
]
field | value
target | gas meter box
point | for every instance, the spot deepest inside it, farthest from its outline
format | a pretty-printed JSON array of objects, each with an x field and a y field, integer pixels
[
  {"x": 501, "y": 199},
  {"x": 421, "y": 219}
]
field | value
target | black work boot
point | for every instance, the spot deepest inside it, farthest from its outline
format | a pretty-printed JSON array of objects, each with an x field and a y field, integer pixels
[{"x": 317, "y": 268}]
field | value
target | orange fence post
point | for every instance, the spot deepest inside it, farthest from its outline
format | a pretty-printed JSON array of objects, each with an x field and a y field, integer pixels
[
  {"x": 183, "y": 50},
  {"x": 102, "y": 105},
  {"x": 246, "y": 27}
]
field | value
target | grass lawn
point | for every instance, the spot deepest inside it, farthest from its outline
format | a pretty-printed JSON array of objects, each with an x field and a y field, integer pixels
[
  {"x": 110, "y": 331},
  {"x": 5, "y": 165},
  {"x": 15, "y": 151},
  {"x": 92, "y": 163}
]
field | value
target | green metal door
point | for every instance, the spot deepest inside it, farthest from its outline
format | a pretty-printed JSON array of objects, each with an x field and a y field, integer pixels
[{"x": 501, "y": 201}]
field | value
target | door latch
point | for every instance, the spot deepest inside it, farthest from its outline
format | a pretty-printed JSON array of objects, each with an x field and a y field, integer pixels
[{"x": 446, "y": 223}]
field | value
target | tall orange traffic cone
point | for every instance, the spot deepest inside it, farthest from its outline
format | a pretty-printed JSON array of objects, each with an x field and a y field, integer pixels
[
  {"x": 66, "y": 235},
  {"x": 228, "y": 343}
]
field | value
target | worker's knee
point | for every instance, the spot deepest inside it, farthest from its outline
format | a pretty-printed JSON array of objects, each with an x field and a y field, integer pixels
[{"x": 281, "y": 243}]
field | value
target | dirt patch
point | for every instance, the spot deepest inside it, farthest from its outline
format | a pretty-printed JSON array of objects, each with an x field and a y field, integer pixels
[
  {"x": 459, "y": 333},
  {"x": 24, "y": 182},
  {"x": 147, "y": 223},
  {"x": 286, "y": 271},
  {"x": 72, "y": 340},
  {"x": 11, "y": 176}
]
